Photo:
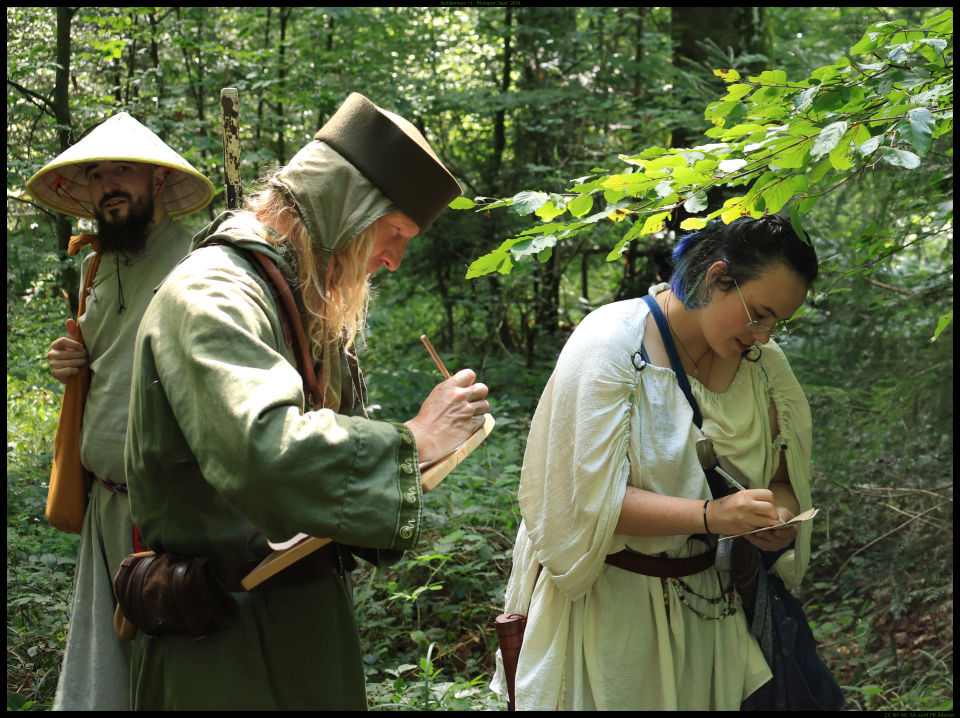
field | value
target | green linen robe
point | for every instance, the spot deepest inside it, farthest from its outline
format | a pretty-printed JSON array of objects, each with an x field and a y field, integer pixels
[{"x": 222, "y": 457}]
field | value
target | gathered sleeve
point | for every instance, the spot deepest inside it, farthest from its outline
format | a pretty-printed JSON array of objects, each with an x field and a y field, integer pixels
[
  {"x": 218, "y": 437},
  {"x": 795, "y": 437},
  {"x": 576, "y": 466}
]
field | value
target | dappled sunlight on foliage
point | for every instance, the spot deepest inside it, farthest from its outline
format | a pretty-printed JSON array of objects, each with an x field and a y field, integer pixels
[{"x": 564, "y": 118}]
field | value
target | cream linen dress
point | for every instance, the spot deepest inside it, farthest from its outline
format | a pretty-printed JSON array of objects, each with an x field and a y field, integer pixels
[{"x": 599, "y": 637}]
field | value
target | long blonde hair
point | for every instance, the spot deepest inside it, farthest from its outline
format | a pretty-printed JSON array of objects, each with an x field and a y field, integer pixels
[{"x": 339, "y": 315}]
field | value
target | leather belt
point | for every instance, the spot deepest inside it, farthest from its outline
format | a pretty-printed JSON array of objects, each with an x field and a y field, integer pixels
[
  {"x": 322, "y": 562},
  {"x": 662, "y": 567}
]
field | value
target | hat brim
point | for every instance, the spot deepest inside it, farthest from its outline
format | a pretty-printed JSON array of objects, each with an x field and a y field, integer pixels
[{"x": 61, "y": 185}]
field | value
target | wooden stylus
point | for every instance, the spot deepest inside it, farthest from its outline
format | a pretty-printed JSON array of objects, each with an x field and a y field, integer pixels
[{"x": 436, "y": 357}]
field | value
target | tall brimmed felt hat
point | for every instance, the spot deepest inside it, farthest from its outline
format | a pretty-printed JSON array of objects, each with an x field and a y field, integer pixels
[
  {"x": 61, "y": 185},
  {"x": 390, "y": 152}
]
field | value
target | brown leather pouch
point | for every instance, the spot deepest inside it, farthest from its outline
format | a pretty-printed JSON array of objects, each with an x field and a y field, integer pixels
[{"x": 166, "y": 594}]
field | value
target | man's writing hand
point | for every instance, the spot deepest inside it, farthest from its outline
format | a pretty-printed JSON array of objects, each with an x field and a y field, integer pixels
[{"x": 450, "y": 415}]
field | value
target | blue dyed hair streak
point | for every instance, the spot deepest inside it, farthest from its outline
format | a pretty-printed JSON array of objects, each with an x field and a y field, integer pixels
[{"x": 749, "y": 248}]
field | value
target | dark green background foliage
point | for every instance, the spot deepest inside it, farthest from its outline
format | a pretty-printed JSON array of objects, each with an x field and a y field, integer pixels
[{"x": 519, "y": 102}]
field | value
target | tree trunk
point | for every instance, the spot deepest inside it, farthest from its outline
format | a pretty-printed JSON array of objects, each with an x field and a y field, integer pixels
[
  {"x": 742, "y": 29},
  {"x": 69, "y": 274},
  {"x": 281, "y": 144},
  {"x": 534, "y": 145},
  {"x": 262, "y": 102},
  {"x": 321, "y": 116},
  {"x": 197, "y": 87},
  {"x": 132, "y": 62},
  {"x": 638, "y": 76},
  {"x": 155, "y": 59},
  {"x": 499, "y": 121}
]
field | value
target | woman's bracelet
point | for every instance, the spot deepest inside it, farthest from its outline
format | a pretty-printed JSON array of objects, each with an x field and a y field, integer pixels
[{"x": 705, "y": 516}]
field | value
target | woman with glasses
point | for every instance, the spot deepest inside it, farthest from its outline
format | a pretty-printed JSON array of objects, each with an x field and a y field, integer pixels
[{"x": 625, "y": 608}]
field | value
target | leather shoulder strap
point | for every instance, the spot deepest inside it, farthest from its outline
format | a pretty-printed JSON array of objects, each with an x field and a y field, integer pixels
[
  {"x": 287, "y": 305},
  {"x": 671, "y": 348}
]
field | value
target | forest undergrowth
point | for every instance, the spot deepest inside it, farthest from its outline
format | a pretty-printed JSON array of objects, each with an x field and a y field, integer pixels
[{"x": 878, "y": 594}]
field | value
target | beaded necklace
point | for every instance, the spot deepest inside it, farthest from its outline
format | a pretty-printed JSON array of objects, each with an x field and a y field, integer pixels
[{"x": 731, "y": 606}]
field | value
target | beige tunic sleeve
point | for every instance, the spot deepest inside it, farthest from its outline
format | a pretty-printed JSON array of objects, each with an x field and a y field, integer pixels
[
  {"x": 738, "y": 423},
  {"x": 576, "y": 466}
]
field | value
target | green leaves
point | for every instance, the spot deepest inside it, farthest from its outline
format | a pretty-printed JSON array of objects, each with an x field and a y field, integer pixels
[
  {"x": 580, "y": 205},
  {"x": 694, "y": 223},
  {"x": 770, "y": 77},
  {"x": 462, "y": 203},
  {"x": 901, "y": 158},
  {"x": 768, "y": 130},
  {"x": 828, "y": 138},
  {"x": 732, "y": 165},
  {"x": 793, "y": 154},
  {"x": 735, "y": 92},
  {"x": 805, "y": 98},
  {"x": 869, "y": 146},
  {"x": 944, "y": 322},
  {"x": 527, "y": 202},
  {"x": 840, "y": 155},
  {"x": 654, "y": 223},
  {"x": 917, "y": 129},
  {"x": 727, "y": 75},
  {"x": 797, "y": 225},
  {"x": 557, "y": 205},
  {"x": 777, "y": 194},
  {"x": 696, "y": 203}
]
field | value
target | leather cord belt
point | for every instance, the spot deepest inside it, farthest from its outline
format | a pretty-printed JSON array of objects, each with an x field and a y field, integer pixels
[
  {"x": 111, "y": 485},
  {"x": 660, "y": 567},
  {"x": 320, "y": 563}
]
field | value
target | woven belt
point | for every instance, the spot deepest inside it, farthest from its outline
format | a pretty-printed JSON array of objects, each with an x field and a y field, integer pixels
[
  {"x": 320, "y": 563},
  {"x": 660, "y": 567},
  {"x": 112, "y": 485}
]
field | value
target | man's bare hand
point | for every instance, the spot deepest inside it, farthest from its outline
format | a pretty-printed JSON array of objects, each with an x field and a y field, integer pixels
[
  {"x": 66, "y": 356},
  {"x": 450, "y": 415}
]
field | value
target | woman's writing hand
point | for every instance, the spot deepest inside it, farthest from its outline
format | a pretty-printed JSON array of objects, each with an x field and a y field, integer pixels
[
  {"x": 778, "y": 539},
  {"x": 741, "y": 512}
]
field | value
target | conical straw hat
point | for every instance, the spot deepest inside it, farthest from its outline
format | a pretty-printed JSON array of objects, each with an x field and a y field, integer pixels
[{"x": 61, "y": 186}]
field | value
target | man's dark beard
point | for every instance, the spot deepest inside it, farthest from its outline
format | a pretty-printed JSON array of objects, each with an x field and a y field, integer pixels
[{"x": 128, "y": 234}]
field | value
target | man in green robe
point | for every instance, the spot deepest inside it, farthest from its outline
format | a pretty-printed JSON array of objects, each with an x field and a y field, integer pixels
[
  {"x": 133, "y": 184},
  {"x": 223, "y": 453}
]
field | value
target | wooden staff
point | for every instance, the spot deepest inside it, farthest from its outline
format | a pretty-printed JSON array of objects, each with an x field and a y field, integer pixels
[{"x": 230, "y": 119}]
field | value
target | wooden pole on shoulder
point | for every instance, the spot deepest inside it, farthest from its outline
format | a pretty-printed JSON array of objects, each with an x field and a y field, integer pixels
[{"x": 230, "y": 120}]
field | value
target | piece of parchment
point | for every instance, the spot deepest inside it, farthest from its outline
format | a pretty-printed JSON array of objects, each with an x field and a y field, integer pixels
[{"x": 805, "y": 516}]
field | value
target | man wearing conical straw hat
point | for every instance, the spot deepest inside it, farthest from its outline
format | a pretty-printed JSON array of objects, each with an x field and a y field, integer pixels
[
  {"x": 127, "y": 179},
  {"x": 231, "y": 444}
]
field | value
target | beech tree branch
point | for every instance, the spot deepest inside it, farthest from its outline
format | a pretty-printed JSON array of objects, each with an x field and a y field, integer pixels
[
  {"x": 33, "y": 204},
  {"x": 47, "y": 104},
  {"x": 887, "y": 286}
]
